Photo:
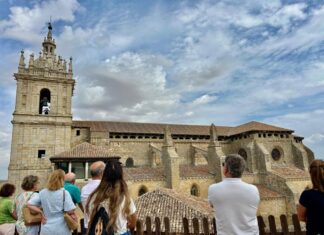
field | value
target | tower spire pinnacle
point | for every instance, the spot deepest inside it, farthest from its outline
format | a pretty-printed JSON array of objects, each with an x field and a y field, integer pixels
[
  {"x": 49, "y": 43},
  {"x": 49, "y": 34}
]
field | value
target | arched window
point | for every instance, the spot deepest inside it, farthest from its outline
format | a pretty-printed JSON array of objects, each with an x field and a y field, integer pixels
[
  {"x": 44, "y": 101},
  {"x": 243, "y": 154},
  {"x": 275, "y": 154},
  {"x": 129, "y": 162},
  {"x": 194, "y": 190},
  {"x": 142, "y": 190}
]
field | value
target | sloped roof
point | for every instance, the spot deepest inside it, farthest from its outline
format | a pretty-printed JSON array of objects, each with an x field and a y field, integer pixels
[
  {"x": 83, "y": 150},
  {"x": 266, "y": 193},
  {"x": 143, "y": 173},
  {"x": 255, "y": 126},
  {"x": 176, "y": 129},
  {"x": 290, "y": 172},
  {"x": 189, "y": 171},
  {"x": 174, "y": 205}
]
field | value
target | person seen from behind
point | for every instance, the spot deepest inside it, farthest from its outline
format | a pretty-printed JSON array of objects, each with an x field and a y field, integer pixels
[
  {"x": 50, "y": 200},
  {"x": 112, "y": 194},
  {"x": 7, "y": 215},
  {"x": 235, "y": 202},
  {"x": 96, "y": 172},
  {"x": 29, "y": 185},
  {"x": 69, "y": 185},
  {"x": 311, "y": 202}
]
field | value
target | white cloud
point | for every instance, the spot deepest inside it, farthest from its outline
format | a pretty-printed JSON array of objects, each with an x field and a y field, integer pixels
[
  {"x": 25, "y": 23},
  {"x": 128, "y": 86},
  {"x": 204, "y": 99}
]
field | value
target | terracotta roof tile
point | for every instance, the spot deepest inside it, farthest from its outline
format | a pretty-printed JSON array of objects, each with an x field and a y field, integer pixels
[
  {"x": 143, "y": 173},
  {"x": 83, "y": 150},
  {"x": 174, "y": 205},
  {"x": 266, "y": 193},
  {"x": 200, "y": 171},
  {"x": 176, "y": 129},
  {"x": 290, "y": 172},
  {"x": 255, "y": 126}
]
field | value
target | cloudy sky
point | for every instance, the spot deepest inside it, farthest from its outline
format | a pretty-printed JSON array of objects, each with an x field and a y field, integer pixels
[{"x": 199, "y": 62}]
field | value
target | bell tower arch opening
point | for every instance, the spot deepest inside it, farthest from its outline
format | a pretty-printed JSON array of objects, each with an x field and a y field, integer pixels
[{"x": 44, "y": 101}]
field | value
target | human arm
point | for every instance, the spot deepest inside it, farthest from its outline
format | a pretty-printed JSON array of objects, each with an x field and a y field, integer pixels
[
  {"x": 301, "y": 212},
  {"x": 131, "y": 221},
  {"x": 37, "y": 210},
  {"x": 34, "y": 204},
  {"x": 81, "y": 207},
  {"x": 132, "y": 217}
]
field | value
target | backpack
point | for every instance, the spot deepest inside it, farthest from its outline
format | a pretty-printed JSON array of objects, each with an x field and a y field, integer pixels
[{"x": 99, "y": 223}]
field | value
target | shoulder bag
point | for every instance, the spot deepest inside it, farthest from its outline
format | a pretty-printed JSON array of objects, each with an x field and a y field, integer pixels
[
  {"x": 31, "y": 217},
  {"x": 71, "y": 223}
]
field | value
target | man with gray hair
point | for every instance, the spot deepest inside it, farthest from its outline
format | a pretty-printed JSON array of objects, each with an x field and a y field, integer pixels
[
  {"x": 96, "y": 171},
  {"x": 234, "y": 201}
]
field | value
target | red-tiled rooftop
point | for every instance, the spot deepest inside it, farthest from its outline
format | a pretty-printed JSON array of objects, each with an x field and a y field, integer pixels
[
  {"x": 189, "y": 171},
  {"x": 174, "y": 205},
  {"x": 290, "y": 172},
  {"x": 266, "y": 193},
  {"x": 143, "y": 173},
  {"x": 176, "y": 129},
  {"x": 83, "y": 150},
  {"x": 256, "y": 126}
]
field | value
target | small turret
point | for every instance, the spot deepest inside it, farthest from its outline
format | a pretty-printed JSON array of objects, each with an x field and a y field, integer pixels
[
  {"x": 49, "y": 43},
  {"x": 168, "y": 141},
  {"x": 70, "y": 72},
  {"x": 31, "y": 60},
  {"x": 213, "y": 135},
  {"x": 22, "y": 64}
]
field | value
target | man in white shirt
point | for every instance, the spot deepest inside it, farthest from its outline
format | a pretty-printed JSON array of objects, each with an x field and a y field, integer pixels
[
  {"x": 96, "y": 171},
  {"x": 234, "y": 201}
]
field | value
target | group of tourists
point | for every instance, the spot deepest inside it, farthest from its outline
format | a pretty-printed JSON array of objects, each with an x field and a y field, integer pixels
[
  {"x": 108, "y": 208},
  {"x": 107, "y": 191}
]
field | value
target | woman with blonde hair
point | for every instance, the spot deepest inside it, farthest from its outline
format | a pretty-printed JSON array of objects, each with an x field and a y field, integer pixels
[
  {"x": 29, "y": 185},
  {"x": 112, "y": 195},
  {"x": 311, "y": 202},
  {"x": 51, "y": 201}
]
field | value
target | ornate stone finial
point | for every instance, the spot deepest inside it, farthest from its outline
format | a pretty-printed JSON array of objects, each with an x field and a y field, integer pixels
[
  {"x": 31, "y": 60},
  {"x": 168, "y": 141},
  {"x": 70, "y": 65},
  {"x": 22, "y": 59},
  {"x": 49, "y": 34},
  {"x": 213, "y": 133},
  {"x": 64, "y": 65},
  {"x": 40, "y": 55}
]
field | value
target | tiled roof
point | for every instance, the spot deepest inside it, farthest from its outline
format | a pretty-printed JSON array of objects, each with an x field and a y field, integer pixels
[
  {"x": 290, "y": 172},
  {"x": 189, "y": 171},
  {"x": 266, "y": 193},
  {"x": 143, "y": 173},
  {"x": 174, "y": 205},
  {"x": 176, "y": 129},
  {"x": 83, "y": 150},
  {"x": 255, "y": 126}
]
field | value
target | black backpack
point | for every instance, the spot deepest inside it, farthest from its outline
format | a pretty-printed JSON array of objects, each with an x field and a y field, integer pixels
[{"x": 99, "y": 223}]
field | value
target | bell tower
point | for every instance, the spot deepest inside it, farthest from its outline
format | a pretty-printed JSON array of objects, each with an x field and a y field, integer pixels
[{"x": 42, "y": 117}]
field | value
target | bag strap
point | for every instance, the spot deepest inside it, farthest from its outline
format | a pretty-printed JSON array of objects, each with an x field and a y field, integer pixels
[
  {"x": 30, "y": 196},
  {"x": 63, "y": 198}
]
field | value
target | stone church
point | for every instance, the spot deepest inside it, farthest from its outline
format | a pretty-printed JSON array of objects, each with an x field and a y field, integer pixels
[{"x": 186, "y": 158}]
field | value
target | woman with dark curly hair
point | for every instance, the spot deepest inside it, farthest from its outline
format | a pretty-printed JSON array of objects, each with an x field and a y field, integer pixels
[
  {"x": 7, "y": 217},
  {"x": 311, "y": 202},
  {"x": 29, "y": 185}
]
